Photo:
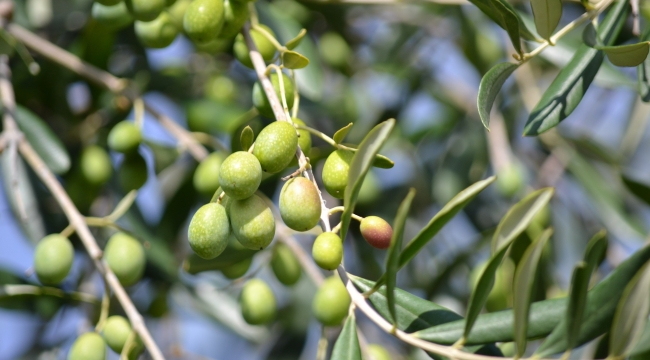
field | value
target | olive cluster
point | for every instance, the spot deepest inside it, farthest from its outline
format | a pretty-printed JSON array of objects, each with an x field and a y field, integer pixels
[{"x": 115, "y": 333}]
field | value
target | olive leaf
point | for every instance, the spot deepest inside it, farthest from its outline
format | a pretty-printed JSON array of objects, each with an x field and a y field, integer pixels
[
  {"x": 294, "y": 60},
  {"x": 490, "y": 86},
  {"x": 246, "y": 138},
  {"x": 523, "y": 285},
  {"x": 392, "y": 259},
  {"x": 291, "y": 44},
  {"x": 643, "y": 73},
  {"x": 340, "y": 135},
  {"x": 347, "y": 345},
  {"x": 547, "y": 14},
  {"x": 569, "y": 86},
  {"x": 627, "y": 55},
  {"x": 380, "y": 161},
  {"x": 640, "y": 189},
  {"x": 359, "y": 167},
  {"x": 502, "y": 13}
]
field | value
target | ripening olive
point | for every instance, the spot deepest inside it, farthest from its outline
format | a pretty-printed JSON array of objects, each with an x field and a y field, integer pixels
[
  {"x": 275, "y": 146},
  {"x": 88, "y": 346},
  {"x": 285, "y": 265},
  {"x": 177, "y": 12},
  {"x": 124, "y": 137},
  {"x": 209, "y": 230},
  {"x": 378, "y": 352},
  {"x": 145, "y": 10},
  {"x": 263, "y": 45},
  {"x": 331, "y": 302},
  {"x": 252, "y": 222},
  {"x": 158, "y": 33},
  {"x": 53, "y": 259},
  {"x": 203, "y": 20},
  {"x": 235, "y": 15},
  {"x": 125, "y": 256},
  {"x": 206, "y": 176},
  {"x": 376, "y": 231},
  {"x": 108, "y": 2},
  {"x": 257, "y": 302},
  {"x": 237, "y": 270},
  {"x": 261, "y": 102},
  {"x": 116, "y": 332},
  {"x": 335, "y": 172},
  {"x": 240, "y": 175},
  {"x": 327, "y": 250},
  {"x": 95, "y": 165},
  {"x": 114, "y": 17},
  {"x": 133, "y": 172},
  {"x": 300, "y": 205}
]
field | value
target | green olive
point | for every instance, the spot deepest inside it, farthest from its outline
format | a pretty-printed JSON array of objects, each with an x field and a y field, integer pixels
[
  {"x": 334, "y": 50},
  {"x": 203, "y": 20},
  {"x": 220, "y": 89},
  {"x": 158, "y": 33},
  {"x": 331, "y": 302},
  {"x": 237, "y": 270},
  {"x": 261, "y": 102},
  {"x": 257, "y": 302},
  {"x": 285, "y": 265},
  {"x": 53, "y": 259},
  {"x": 206, "y": 176},
  {"x": 510, "y": 180},
  {"x": 300, "y": 205},
  {"x": 209, "y": 230},
  {"x": 88, "y": 346},
  {"x": 335, "y": 172},
  {"x": 177, "y": 12},
  {"x": 114, "y": 17},
  {"x": 95, "y": 165},
  {"x": 125, "y": 137},
  {"x": 235, "y": 15},
  {"x": 263, "y": 45},
  {"x": 252, "y": 222},
  {"x": 133, "y": 172},
  {"x": 327, "y": 250},
  {"x": 240, "y": 175},
  {"x": 275, "y": 146},
  {"x": 378, "y": 352},
  {"x": 145, "y": 10},
  {"x": 125, "y": 256},
  {"x": 376, "y": 231},
  {"x": 116, "y": 331},
  {"x": 108, "y": 2}
]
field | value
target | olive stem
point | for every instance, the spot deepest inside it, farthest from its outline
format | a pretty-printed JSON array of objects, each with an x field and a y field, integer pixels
[
  {"x": 72, "y": 213},
  {"x": 296, "y": 95},
  {"x": 269, "y": 37},
  {"x": 128, "y": 345},
  {"x": 7, "y": 291},
  {"x": 283, "y": 95},
  {"x": 106, "y": 304},
  {"x": 138, "y": 112}
]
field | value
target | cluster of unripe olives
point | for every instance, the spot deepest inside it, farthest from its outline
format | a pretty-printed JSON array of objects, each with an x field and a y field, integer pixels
[{"x": 115, "y": 333}]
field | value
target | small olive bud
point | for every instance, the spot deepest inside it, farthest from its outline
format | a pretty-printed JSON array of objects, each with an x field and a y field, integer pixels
[
  {"x": 376, "y": 231},
  {"x": 125, "y": 137},
  {"x": 257, "y": 302},
  {"x": 53, "y": 259},
  {"x": 95, "y": 165}
]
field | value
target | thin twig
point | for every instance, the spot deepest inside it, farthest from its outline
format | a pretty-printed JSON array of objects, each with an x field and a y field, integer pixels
[{"x": 7, "y": 291}]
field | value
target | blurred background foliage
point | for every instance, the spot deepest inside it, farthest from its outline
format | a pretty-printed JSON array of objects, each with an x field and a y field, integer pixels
[{"x": 420, "y": 63}]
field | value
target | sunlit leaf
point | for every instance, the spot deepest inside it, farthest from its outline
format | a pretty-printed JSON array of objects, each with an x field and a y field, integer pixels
[
  {"x": 291, "y": 44},
  {"x": 547, "y": 15},
  {"x": 340, "y": 135},
  {"x": 566, "y": 91},
  {"x": 490, "y": 86},
  {"x": 347, "y": 345},
  {"x": 294, "y": 60},
  {"x": 246, "y": 138},
  {"x": 392, "y": 259},
  {"x": 627, "y": 55},
  {"x": 523, "y": 288},
  {"x": 359, "y": 167}
]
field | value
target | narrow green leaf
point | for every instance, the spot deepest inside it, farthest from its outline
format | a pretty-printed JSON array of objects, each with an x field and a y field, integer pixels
[
  {"x": 392, "y": 259},
  {"x": 547, "y": 14},
  {"x": 643, "y": 73},
  {"x": 443, "y": 216},
  {"x": 570, "y": 85},
  {"x": 631, "y": 314},
  {"x": 519, "y": 217},
  {"x": 359, "y": 167},
  {"x": 523, "y": 285},
  {"x": 380, "y": 161},
  {"x": 627, "y": 55},
  {"x": 43, "y": 140},
  {"x": 490, "y": 86},
  {"x": 590, "y": 36},
  {"x": 639, "y": 189},
  {"x": 504, "y": 15},
  {"x": 594, "y": 254},
  {"x": 291, "y": 44},
  {"x": 642, "y": 347},
  {"x": 294, "y": 60},
  {"x": 547, "y": 316},
  {"x": 340, "y": 135},
  {"x": 347, "y": 345},
  {"x": 246, "y": 138}
]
